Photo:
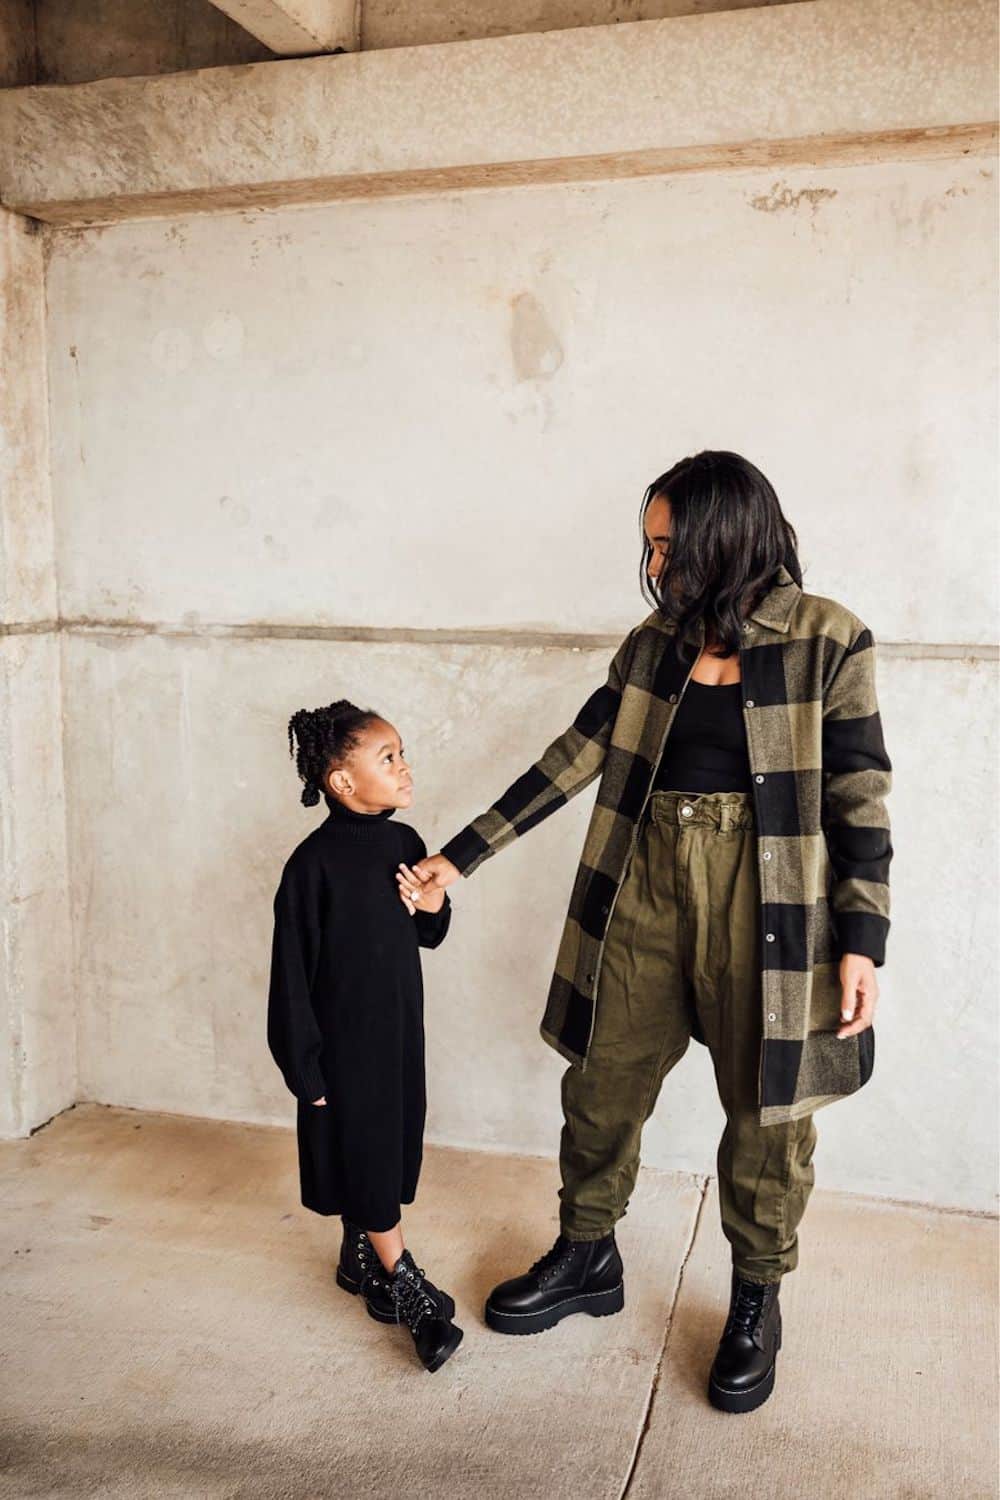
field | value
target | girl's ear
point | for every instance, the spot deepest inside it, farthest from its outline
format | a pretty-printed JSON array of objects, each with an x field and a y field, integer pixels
[{"x": 339, "y": 783}]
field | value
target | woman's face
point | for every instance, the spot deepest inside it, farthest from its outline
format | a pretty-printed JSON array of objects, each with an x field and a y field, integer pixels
[
  {"x": 375, "y": 774},
  {"x": 656, "y": 524}
]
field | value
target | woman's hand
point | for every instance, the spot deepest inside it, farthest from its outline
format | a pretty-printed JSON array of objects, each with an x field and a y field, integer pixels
[
  {"x": 437, "y": 871},
  {"x": 418, "y": 891},
  {"x": 859, "y": 992}
]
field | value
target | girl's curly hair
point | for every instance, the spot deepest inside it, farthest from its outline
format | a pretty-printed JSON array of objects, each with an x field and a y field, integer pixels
[{"x": 325, "y": 736}]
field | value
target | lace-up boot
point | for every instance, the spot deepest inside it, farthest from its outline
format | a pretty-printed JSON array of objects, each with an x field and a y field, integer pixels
[
  {"x": 359, "y": 1270},
  {"x": 421, "y": 1307},
  {"x": 742, "y": 1376},
  {"x": 583, "y": 1276}
]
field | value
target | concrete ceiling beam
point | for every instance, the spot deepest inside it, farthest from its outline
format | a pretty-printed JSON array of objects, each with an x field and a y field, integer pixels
[
  {"x": 813, "y": 83},
  {"x": 298, "y": 28}
]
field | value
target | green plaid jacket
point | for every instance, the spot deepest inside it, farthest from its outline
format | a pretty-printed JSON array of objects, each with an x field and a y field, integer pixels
[{"x": 820, "y": 774}]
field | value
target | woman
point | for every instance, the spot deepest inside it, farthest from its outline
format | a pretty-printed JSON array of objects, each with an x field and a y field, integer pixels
[{"x": 733, "y": 887}]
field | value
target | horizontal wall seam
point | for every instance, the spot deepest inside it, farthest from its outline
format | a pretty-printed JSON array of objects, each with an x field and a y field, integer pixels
[
  {"x": 402, "y": 636},
  {"x": 865, "y": 148}
]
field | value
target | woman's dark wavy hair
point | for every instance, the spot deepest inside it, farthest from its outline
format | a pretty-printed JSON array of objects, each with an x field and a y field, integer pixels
[
  {"x": 728, "y": 538},
  {"x": 325, "y": 737}
]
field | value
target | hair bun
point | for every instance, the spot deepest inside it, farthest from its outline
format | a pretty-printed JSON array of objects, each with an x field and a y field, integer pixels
[
  {"x": 310, "y": 795},
  {"x": 341, "y": 708}
]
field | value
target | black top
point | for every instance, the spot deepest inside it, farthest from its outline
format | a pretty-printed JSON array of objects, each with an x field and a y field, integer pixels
[
  {"x": 706, "y": 749},
  {"x": 344, "y": 943}
]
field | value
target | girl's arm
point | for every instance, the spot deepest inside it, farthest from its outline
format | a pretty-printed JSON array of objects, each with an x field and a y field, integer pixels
[
  {"x": 292, "y": 1033},
  {"x": 856, "y": 780},
  {"x": 569, "y": 764},
  {"x": 432, "y": 922}
]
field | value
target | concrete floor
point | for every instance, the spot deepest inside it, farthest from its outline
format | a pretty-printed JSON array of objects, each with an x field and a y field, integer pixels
[{"x": 172, "y": 1329}]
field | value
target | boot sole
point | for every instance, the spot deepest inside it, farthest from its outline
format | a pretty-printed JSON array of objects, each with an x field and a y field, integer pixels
[
  {"x": 749, "y": 1400},
  {"x": 348, "y": 1284},
  {"x": 456, "y": 1338},
  {"x": 596, "y": 1304}
]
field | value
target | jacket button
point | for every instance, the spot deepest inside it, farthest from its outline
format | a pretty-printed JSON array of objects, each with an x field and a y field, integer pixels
[
  {"x": 751, "y": 703},
  {"x": 590, "y": 978},
  {"x": 605, "y": 910},
  {"x": 770, "y": 937},
  {"x": 771, "y": 1016},
  {"x": 758, "y": 778},
  {"x": 767, "y": 854},
  {"x": 672, "y": 698}
]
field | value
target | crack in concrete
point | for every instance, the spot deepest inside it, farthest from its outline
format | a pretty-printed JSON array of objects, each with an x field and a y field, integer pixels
[{"x": 654, "y": 1386}]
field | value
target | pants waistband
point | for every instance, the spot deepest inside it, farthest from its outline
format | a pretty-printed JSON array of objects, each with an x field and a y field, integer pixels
[{"x": 729, "y": 812}]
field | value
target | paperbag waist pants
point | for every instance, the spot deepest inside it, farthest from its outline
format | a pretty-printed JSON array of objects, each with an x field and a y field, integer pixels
[{"x": 683, "y": 953}]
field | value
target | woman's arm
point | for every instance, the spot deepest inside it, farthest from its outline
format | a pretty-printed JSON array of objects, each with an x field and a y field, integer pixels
[
  {"x": 569, "y": 764},
  {"x": 292, "y": 1033},
  {"x": 856, "y": 780}
]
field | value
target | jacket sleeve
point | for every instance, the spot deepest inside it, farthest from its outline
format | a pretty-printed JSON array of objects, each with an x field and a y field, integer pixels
[
  {"x": 292, "y": 1031},
  {"x": 432, "y": 926},
  {"x": 856, "y": 780},
  {"x": 569, "y": 764}
]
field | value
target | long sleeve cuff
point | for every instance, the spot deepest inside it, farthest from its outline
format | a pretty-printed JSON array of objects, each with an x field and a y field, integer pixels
[
  {"x": 432, "y": 926},
  {"x": 311, "y": 1085},
  {"x": 466, "y": 850},
  {"x": 863, "y": 932}
]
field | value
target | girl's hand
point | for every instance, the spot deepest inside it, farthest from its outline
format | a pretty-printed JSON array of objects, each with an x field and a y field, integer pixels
[
  {"x": 317, "y": 1102},
  {"x": 418, "y": 892},
  {"x": 437, "y": 871},
  {"x": 859, "y": 992}
]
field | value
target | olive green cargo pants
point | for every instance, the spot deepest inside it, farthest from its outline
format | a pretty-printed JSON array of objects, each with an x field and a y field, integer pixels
[{"x": 682, "y": 951}]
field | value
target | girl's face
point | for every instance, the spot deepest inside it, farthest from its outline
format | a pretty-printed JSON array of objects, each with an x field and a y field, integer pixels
[
  {"x": 375, "y": 774},
  {"x": 656, "y": 524}
]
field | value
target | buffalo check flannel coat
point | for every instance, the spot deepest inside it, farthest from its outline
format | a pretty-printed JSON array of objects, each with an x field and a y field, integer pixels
[{"x": 820, "y": 774}]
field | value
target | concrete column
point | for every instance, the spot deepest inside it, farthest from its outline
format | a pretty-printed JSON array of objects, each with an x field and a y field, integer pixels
[{"x": 37, "y": 1009}]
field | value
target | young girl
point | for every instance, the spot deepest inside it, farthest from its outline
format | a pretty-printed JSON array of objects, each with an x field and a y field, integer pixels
[{"x": 345, "y": 1009}]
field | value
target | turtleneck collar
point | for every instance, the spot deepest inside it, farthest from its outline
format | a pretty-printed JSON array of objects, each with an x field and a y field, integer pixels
[{"x": 342, "y": 814}]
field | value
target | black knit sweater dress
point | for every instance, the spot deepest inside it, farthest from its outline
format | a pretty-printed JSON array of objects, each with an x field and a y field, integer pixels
[{"x": 345, "y": 1013}]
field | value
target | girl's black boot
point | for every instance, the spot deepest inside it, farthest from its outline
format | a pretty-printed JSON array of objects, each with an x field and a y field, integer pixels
[
  {"x": 360, "y": 1270},
  {"x": 742, "y": 1376},
  {"x": 423, "y": 1309}
]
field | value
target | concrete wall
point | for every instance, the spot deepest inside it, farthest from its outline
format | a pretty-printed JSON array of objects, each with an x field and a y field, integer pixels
[
  {"x": 17, "y": 43},
  {"x": 80, "y": 40},
  {"x": 83, "y": 39},
  {"x": 437, "y": 415},
  {"x": 37, "y": 1003}
]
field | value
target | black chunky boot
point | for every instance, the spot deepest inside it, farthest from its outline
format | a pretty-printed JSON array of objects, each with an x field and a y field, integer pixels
[
  {"x": 360, "y": 1270},
  {"x": 421, "y": 1307},
  {"x": 742, "y": 1376},
  {"x": 584, "y": 1276}
]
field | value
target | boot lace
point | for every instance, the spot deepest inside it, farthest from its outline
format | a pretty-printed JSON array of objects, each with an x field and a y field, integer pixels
[
  {"x": 747, "y": 1306},
  {"x": 553, "y": 1260},
  {"x": 369, "y": 1263},
  {"x": 411, "y": 1298}
]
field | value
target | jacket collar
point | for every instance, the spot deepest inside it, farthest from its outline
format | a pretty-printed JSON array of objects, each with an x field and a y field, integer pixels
[{"x": 774, "y": 611}]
